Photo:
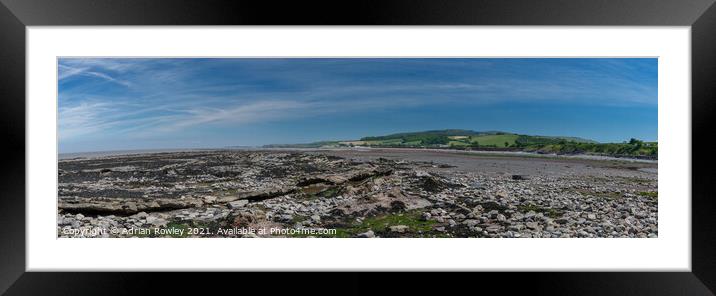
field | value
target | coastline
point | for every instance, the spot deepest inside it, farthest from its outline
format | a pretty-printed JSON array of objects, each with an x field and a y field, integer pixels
[
  {"x": 101, "y": 154},
  {"x": 110, "y": 153},
  {"x": 469, "y": 152}
]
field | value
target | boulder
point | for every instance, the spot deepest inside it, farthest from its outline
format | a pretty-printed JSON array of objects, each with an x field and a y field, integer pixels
[
  {"x": 238, "y": 204},
  {"x": 367, "y": 234},
  {"x": 399, "y": 228},
  {"x": 501, "y": 218},
  {"x": 470, "y": 222}
]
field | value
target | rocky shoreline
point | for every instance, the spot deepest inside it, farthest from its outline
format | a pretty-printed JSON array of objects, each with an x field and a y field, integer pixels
[{"x": 353, "y": 194}]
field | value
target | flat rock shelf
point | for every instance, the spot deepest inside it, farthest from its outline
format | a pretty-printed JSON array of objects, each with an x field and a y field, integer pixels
[{"x": 372, "y": 193}]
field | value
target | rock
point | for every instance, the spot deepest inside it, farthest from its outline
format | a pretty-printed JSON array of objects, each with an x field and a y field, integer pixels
[
  {"x": 336, "y": 179},
  {"x": 156, "y": 221},
  {"x": 399, "y": 228},
  {"x": 130, "y": 207},
  {"x": 238, "y": 204},
  {"x": 433, "y": 184},
  {"x": 501, "y": 194},
  {"x": 140, "y": 215},
  {"x": 493, "y": 228},
  {"x": 397, "y": 206},
  {"x": 367, "y": 234},
  {"x": 285, "y": 218},
  {"x": 267, "y": 195},
  {"x": 529, "y": 215},
  {"x": 422, "y": 174},
  {"x": 470, "y": 222},
  {"x": 493, "y": 214},
  {"x": 532, "y": 225},
  {"x": 264, "y": 194}
]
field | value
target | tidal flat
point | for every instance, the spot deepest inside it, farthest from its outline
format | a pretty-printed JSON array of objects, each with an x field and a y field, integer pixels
[{"x": 371, "y": 193}]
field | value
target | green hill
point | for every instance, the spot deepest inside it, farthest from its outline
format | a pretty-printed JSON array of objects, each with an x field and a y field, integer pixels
[{"x": 490, "y": 140}]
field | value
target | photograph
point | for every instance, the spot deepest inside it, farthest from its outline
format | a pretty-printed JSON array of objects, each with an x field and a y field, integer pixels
[
  {"x": 357, "y": 147},
  {"x": 169, "y": 144}
]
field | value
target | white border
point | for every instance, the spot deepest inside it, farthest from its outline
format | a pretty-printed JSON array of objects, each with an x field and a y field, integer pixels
[{"x": 670, "y": 251}]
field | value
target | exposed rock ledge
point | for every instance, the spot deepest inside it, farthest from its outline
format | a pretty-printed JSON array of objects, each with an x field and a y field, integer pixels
[
  {"x": 343, "y": 178},
  {"x": 125, "y": 206}
]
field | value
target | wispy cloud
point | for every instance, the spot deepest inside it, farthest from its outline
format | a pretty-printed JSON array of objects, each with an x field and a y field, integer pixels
[
  {"x": 139, "y": 97},
  {"x": 67, "y": 72},
  {"x": 82, "y": 119}
]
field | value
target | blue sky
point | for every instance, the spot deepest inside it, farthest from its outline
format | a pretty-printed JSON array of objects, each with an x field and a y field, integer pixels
[{"x": 122, "y": 104}]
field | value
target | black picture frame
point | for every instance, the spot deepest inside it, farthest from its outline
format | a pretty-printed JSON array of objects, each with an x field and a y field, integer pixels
[{"x": 16, "y": 15}]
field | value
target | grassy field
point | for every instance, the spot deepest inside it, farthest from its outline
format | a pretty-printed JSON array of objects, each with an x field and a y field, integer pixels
[
  {"x": 496, "y": 140},
  {"x": 433, "y": 138}
]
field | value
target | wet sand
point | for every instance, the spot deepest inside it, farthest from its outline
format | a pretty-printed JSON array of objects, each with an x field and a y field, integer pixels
[{"x": 504, "y": 164}]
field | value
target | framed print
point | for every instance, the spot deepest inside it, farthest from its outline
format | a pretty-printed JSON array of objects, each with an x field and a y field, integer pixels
[{"x": 485, "y": 137}]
